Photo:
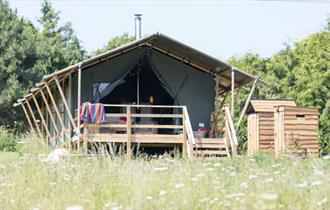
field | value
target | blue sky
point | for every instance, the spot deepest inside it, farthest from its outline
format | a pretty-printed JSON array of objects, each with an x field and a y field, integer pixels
[{"x": 219, "y": 28}]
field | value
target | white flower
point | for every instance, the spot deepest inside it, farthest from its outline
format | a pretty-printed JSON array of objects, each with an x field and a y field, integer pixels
[
  {"x": 302, "y": 185},
  {"x": 217, "y": 165},
  {"x": 149, "y": 197},
  {"x": 74, "y": 208},
  {"x": 162, "y": 192},
  {"x": 194, "y": 179},
  {"x": 200, "y": 175},
  {"x": 269, "y": 180},
  {"x": 234, "y": 195},
  {"x": 326, "y": 157},
  {"x": 323, "y": 201},
  {"x": 178, "y": 186},
  {"x": 161, "y": 169},
  {"x": 232, "y": 174},
  {"x": 269, "y": 196},
  {"x": 316, "y": 183},
  {"x": 244, "y": 185},
  {"x": 253, "y": 176}
]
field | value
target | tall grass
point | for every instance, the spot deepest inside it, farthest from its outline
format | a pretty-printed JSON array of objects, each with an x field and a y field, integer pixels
[{"x": 261, "y": 182}]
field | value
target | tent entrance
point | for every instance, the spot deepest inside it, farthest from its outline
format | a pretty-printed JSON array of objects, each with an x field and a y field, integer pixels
[{"x": 141, "y": 86}]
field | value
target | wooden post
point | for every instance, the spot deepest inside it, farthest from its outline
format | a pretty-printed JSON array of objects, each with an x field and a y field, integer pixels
[
  {"x": 64, "y": 101},
  {"x": 41, "y": 116},
  {"x": 184, "y": 133},
  {"x": 27, "y": 116},
  {"x": 33, "y": 117},
  {"x": 49, "y": 112},
  {"x": 70, "y": 103},
  {"x": 129, "y": 132},
  {"x": 246, "y": 104},
  {"x": 85, "y": 138},
  {"x": 232, "y": 92},
  {"x": 56, "y": 110},
  {"x": 78, "y": 103}
]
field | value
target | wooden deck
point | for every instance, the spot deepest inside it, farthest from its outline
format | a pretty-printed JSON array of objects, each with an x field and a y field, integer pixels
[{"x": 145, "y": 129}]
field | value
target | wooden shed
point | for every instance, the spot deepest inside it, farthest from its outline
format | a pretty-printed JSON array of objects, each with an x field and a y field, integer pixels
[
  {"x": 295, "y": 130},
  {"x": 261, "y": 124},
  {"x": 280, "y": 127}
]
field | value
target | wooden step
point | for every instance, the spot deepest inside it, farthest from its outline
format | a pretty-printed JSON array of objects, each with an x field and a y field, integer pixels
[
  {"x": 210, "y": 147},
  {"x": 210, "y": 152}
]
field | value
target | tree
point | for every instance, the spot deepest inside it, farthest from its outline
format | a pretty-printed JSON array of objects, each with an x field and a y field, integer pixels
[
  {"x": 300, "y": 72},
  {"x": 60, "y": 47},
  {"x": 115, "y": 42},
  {"x": 26, "y": 54}
]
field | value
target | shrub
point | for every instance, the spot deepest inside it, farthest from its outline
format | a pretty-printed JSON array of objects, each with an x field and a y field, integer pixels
[{"x": 8, "y": 141}]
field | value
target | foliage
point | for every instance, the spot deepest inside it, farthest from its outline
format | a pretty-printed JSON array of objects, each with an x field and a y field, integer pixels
[
  {"x": 27, "y": 53},
  {"x": 261, "y": 182},
  {"x": 116, "y": 42},
  {"x": 8, "y": 141},
  {"x": 300, "y": 72}
]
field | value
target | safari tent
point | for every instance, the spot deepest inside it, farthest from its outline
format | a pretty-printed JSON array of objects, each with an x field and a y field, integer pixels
[{"x": 154, "y": 90}]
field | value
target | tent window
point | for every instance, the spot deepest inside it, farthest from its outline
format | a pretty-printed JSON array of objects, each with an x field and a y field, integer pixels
[{"x": 98, "y": 88}]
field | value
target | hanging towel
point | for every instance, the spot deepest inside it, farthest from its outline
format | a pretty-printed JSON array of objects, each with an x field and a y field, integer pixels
[{"x": 92, "y": 113}]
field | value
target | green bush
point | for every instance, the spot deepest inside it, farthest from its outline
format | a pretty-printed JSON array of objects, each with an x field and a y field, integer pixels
[{"x": 8, "y": 141}]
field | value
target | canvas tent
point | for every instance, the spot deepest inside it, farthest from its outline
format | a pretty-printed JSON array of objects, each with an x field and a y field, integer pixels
[{"x": 180, "y": 74}]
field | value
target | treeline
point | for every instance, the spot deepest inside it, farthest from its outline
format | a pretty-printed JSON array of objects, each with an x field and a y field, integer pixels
[
  {"x": 299, "y": 72},
  {"x": 27, "y": 53}
]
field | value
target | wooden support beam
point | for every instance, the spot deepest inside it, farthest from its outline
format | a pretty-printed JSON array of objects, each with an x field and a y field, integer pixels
[
  {"x": 41, "y": 116},
  {"x": 56, "y": 110},
  {"x": 79, "y": 103},
  {"x": 49, "y": 112},
  {"x": 233, "y": 92},
  {"x": 129, "y": 133},
  {"x": 246, "y": 104},
  {"x": 27, "y": 116},
  {"x": 64, "y": 101},
  {"x": 33, "y": 117}
]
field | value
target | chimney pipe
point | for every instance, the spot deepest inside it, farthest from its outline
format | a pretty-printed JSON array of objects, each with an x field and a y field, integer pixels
[{"x": 137, "y": 26}]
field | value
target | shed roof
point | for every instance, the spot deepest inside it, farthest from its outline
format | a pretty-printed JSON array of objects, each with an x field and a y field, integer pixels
[{"x": 267, "y": 105}]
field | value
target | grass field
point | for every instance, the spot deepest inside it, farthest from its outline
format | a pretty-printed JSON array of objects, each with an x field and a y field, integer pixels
[{"x": 260, "y": 182}]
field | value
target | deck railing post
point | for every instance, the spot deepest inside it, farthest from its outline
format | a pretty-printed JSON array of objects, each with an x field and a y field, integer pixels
[
  {"x": 85, "y": 138},
  {"x": 184, "y": 133},
  {"x": 129, "y": 133}
]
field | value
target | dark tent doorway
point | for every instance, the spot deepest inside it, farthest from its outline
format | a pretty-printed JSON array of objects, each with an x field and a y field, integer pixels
[{"x": 141, "y": 86}]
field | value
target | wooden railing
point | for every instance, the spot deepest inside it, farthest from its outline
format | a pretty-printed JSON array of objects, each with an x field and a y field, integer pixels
[
  {"x": 230, "y": 132},
  {"x": 179, "y": 131}
]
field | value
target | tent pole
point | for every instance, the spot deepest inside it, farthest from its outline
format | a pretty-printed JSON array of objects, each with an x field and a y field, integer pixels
[
  {"x": 232, "y": 92},
  {"x": 56, "y": 110},
  {"x": 138, "y": 87},
  {"x": 33, "y": 117},
  {"x": 64, "y": 100},
  {"x": 78, "y": 103},
  {"x": 246, "y": 104},
  {"x": 27, "y": 116},
  {"x": 49, "y": 113},
  {"x": 41, "y": 116}
]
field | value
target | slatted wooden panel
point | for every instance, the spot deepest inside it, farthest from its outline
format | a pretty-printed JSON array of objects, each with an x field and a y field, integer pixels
[
  {"x": 266, "y": 131},
  {"x": 253, "y": 133},
  {"x": 299, "y": 129}
]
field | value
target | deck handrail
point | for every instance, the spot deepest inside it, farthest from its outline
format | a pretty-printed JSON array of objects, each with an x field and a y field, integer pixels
[
  {"x": 231, "y": 131},
  {"x": 186, "y": 133},
  {"x": 187, "y": 124}
]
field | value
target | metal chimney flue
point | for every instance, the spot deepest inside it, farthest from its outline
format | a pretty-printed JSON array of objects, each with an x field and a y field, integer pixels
[{"x": 137, "y": 26}]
